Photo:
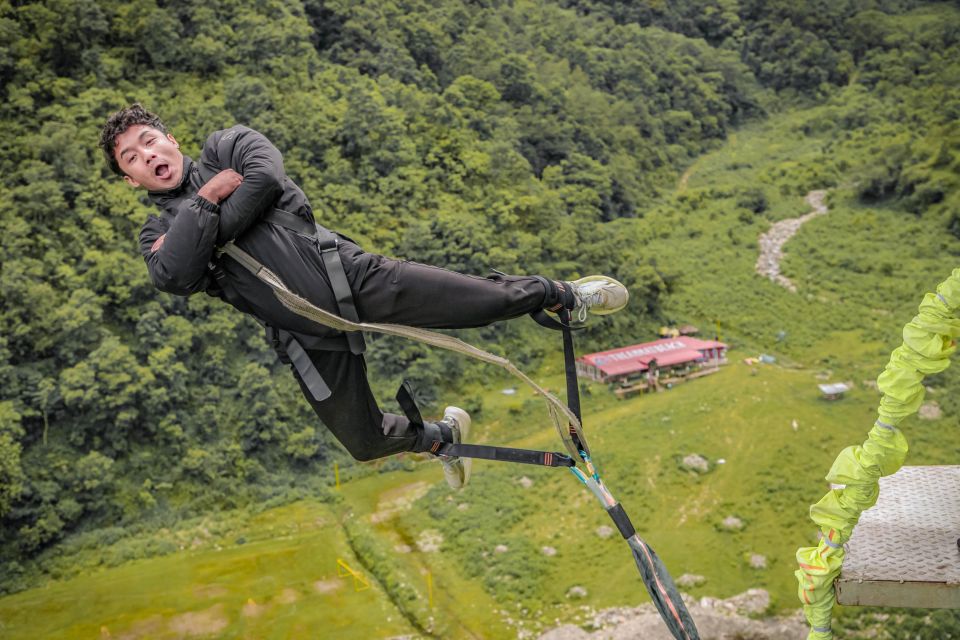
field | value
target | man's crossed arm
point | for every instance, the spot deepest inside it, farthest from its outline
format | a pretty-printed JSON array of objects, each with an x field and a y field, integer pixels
[{"x": 247, "y": 156}]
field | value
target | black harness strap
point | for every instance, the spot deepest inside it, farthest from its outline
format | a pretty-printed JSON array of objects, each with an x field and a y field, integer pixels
[
  {"x": 502, "y": 454},
  {"x": 313, "y": 343},
  {"x": 308, "y": 372},
  {"x": 542, "y": 318},
  {"x": 409, "y": 404},
  {"x": 570, "y": 369},
  {"x": 292, "y": 349},
  {"x": 327, "y": 242},
  {"x": 289, "y": 348},
  {"x": 291, "y": 222},
  {"x": 655, "y": 576},
  {"x": 294, "y": 345},
  {"x": 432, "y": 436},
  {"x": 562, "y": 323}
]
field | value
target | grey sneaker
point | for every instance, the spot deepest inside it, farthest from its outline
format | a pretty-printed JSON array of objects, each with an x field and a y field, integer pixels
[
  {"x": 456, "y": 470},
  {"x": 599, "y": 295}
]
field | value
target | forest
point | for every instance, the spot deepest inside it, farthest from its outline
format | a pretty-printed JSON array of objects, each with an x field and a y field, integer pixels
[{"x": 526, "y": 136}]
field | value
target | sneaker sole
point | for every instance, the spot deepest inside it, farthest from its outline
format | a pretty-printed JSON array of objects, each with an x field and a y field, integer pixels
[{"x": 463, "y": 424}]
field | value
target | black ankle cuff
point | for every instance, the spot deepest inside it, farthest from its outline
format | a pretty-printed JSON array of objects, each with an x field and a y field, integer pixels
[
  {"x": 559, "y": 295},
  {"x": 430, "y": 433}
]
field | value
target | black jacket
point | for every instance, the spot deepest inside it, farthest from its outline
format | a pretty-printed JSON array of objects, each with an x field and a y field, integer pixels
[{"x": 192, "y": 228}]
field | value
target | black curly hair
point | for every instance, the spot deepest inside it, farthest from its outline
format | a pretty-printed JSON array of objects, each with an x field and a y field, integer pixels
[{"x": 118, "y": 123}]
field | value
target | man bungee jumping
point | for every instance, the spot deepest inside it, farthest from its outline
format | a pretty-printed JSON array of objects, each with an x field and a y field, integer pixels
[{"x": 238, "y": 192}]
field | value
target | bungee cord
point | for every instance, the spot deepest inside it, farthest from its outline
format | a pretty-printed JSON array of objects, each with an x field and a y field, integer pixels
[{"x": 929, "y": 340}]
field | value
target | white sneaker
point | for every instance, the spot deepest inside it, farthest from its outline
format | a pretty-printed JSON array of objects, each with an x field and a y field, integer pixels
[
  {"x": 456, "y": 470},
  {"x": 599, "y": 295}
]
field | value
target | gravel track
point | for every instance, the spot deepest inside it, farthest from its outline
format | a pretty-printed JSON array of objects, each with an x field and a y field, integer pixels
[{"x": 771, "y": 243}]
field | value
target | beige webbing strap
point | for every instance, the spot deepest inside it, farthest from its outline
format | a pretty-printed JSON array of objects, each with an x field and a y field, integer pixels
[{"x": 305, "y": 308}]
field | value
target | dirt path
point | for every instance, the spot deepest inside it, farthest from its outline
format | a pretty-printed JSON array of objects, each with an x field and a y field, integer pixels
[
  {"x": 771, "y": 243},
  {"x": 692, "y": 169},
  {"x": 682, "y": 185}
]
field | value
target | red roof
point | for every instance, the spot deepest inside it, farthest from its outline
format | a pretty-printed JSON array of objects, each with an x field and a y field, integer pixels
[{"x": 667, "y": 352}]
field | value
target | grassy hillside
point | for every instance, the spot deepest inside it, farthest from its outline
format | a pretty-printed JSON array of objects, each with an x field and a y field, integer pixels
[
  {"x": 287, "y": 563},
  {"x": 267, "y": 576}
]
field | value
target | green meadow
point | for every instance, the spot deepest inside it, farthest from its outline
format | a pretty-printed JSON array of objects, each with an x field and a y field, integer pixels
[{"x": 275, "y": 574}]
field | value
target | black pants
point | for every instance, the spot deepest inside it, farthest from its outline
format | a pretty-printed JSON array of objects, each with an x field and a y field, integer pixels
[{"x": 412, "y": 294}]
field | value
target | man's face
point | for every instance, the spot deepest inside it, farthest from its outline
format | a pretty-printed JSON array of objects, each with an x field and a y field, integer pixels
[{"x": 150, "y": 158}]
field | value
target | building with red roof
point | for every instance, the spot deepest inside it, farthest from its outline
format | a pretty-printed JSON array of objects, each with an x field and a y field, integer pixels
[{"x": 650, "y": 364}]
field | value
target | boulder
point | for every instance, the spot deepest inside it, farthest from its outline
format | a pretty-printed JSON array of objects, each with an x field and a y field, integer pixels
[{"x": 696, "y": 462}]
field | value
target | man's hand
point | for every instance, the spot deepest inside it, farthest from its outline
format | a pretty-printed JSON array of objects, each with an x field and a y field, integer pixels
[{"x": 220, "y": 186}]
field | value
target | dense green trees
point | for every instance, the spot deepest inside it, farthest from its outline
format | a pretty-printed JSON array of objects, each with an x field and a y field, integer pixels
[
  {"x": 788, "y": 45},
  {"x": 521, "y": 136}
]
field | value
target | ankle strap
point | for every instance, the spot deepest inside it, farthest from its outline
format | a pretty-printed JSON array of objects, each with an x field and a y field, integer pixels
[{"x": 557, "y": 294}]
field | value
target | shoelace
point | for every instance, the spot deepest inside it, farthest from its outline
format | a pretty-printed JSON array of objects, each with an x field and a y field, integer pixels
[{"x": 587, "y": 301}]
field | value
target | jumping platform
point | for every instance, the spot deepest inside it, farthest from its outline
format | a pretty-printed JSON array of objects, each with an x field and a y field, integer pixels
[{"x": 904, "y": 551}]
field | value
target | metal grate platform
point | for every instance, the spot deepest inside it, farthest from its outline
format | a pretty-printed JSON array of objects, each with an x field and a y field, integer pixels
[{"x": 903, "y": 552}]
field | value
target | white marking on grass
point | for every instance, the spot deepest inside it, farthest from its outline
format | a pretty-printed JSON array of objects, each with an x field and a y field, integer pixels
[{"x": 325, "y": 587}]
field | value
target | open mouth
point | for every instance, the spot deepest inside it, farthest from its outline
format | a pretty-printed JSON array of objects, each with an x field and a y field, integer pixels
[{"x": 162, "y": 171}]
